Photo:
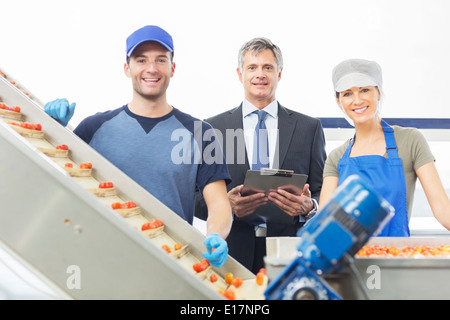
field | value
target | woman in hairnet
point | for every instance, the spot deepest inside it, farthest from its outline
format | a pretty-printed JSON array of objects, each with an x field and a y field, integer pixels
[{"x": 388, "y": 158}]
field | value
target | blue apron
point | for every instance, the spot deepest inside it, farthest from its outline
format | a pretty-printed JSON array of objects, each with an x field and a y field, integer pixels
[{"x": 386, "y": 176}]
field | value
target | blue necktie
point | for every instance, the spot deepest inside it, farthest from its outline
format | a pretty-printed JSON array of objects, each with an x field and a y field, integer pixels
[{"x": 261, "y": 143}]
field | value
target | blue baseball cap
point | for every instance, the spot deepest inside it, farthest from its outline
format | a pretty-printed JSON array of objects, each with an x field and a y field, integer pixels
[{"x": 149, "y": 33}]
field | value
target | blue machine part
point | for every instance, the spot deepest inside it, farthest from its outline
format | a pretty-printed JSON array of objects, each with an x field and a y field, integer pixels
[
  {"x": 298, "y": 282},
  {"x": 345, "y": 224},
  {"x": 341, "y": 228}
]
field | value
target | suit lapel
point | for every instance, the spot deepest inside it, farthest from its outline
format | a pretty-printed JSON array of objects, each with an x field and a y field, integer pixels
[
  {"x": 237, "y": 123},
  {"x": 286, "y": 127},
  {"x": 236, "y": 118},
  {"x": 285, "y": 131}
]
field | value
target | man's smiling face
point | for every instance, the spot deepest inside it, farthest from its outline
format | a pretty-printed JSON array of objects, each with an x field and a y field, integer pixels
[
  {"x": 260, "y": 76},
  {"x": 150, "y": 68}
]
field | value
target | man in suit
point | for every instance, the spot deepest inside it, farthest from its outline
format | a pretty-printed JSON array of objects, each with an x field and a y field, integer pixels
[{"x": 294, "y": 142}]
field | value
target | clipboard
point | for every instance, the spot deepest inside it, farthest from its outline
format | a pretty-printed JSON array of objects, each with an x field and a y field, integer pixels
[{"x": 268, "y": 180}]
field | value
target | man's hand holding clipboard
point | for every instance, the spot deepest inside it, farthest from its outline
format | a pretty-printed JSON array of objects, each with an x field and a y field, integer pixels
[
  {"x": 270, "y": 180},
  {"x": 243, "y": 206},
  {"x": 286, "y": 190}
]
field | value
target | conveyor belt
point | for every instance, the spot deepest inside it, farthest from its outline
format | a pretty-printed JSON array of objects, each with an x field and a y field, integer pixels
[{"x": 58, "y": 223}]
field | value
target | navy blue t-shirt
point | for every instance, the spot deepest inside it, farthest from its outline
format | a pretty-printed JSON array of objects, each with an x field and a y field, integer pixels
[{"x": 168, "y": 156}]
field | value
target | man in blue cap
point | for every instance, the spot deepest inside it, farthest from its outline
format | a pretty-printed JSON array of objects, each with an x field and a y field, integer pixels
[{"x": 145, "y": 138}]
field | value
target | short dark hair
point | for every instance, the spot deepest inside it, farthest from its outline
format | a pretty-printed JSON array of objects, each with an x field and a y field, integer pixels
[{"x": 258, "y": 45}]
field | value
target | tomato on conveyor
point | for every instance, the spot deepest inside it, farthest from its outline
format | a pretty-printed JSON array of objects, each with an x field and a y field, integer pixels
[
  {"x": 125, "y": 205},
  {"x": 106, "y": 185},
  {"x": 5, "y": 107},
  {"x": 201, "y": 266},
  {"x": 378, "y": 251},
  {"x": 27, "y": 125},
  {"x": 152, "y": 224}
]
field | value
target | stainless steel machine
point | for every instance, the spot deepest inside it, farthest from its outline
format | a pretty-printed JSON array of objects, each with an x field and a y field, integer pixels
[
  {"x": 326, "y": 260},
  {"x": 335, "y": 255},
  {"x": 330, "y": 240},
  {"x": 382, "y": 278},
  {"x": 71, "y": 237}
]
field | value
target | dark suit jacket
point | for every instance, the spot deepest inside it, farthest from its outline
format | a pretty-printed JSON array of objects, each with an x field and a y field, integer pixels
[{"x": 301, "y": 148}]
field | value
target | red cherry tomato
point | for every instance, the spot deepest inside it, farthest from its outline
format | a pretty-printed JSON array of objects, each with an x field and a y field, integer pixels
[
  {"x": 166, "y": 248},
  {"x": 86, "y": 165},
  {"x": 237, "y": 282},
  {"x": 145, "y": 226},
  {"x": 105, "y": 185},
  {"x": 62, "y": 147},
  {"x": 28, "y": 125},
  {"x": 229, "y": 294},
  {"x": 129, "y": 205},
  {"x": 260, "y": 278},
  {"x": 229, "y": 278},
  {"x": 213, "y": 277},
  {"x": 201, "y": 266},
  {"x": 152, "y": 224},
  {"x": 116, "y": 205}
]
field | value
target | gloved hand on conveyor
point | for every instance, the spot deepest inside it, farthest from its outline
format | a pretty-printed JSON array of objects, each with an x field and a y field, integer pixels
[
  {"x": 219, "y": 255},
  {"x": 60, "y": 110}
]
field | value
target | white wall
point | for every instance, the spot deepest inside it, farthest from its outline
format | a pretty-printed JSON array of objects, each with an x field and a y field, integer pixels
[{"x": 76, "y": 49}]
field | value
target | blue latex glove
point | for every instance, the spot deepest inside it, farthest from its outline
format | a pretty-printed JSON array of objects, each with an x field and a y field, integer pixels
[
  {"x": 60, "y": 110},
  {"x": 219, "y": 256}
]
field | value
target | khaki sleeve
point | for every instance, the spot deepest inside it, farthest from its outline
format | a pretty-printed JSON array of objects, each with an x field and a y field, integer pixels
[
  {"x": 331, "y": 164},
  {"x": 420, "y": 150}
]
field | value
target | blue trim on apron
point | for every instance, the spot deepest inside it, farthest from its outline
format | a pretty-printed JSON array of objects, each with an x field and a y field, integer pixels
[{"x": 386, "y": 176}]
